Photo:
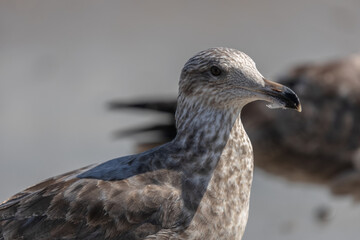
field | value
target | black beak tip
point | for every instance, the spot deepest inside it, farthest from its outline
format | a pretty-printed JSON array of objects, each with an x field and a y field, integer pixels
[{"x": 293, "y": 101}]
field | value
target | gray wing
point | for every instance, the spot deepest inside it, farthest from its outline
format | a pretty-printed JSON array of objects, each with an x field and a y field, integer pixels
[
  {"x": 68, "y": 207},
  {"x": 121, "y": 168}
]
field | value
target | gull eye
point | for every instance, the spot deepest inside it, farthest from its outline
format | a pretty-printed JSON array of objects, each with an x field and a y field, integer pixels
[{"x": 215, "y": 71}]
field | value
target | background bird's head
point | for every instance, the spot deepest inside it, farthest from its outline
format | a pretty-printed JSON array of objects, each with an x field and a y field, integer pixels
[{"x": 228, "y": 78}]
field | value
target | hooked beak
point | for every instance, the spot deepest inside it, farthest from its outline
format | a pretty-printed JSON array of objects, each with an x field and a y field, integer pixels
[{"x": 279, "y": 95}]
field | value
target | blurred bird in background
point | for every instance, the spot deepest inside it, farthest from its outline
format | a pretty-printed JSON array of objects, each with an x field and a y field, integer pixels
[{"x": 320, "y": 146}]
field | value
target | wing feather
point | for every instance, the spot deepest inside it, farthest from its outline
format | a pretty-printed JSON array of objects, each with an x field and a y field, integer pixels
[{"x": 78, "y": 208}]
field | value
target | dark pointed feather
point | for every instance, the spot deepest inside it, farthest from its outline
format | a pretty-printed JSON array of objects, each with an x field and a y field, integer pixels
[{"x": 165, "y": 106}]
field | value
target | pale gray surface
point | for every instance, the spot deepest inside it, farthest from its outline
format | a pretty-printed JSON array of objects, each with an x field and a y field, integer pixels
[{"x": 60, "y": 61}]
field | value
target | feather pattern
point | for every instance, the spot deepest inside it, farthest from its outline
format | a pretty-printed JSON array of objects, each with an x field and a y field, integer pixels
[
  {"x": 195, "y": 187},
  {"x": 320, "y": 146}
]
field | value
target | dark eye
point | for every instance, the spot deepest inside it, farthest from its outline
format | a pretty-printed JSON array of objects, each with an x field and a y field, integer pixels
[{"x": 215, "y": 71}]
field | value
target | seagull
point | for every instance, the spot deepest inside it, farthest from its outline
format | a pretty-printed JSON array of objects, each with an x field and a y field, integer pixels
[
  {"x": 196, "y": 186},
  {"x": 320, "y": 146}
]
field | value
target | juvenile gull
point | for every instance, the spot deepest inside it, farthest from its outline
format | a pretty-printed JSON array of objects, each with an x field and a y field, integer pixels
[
  {"x": 195, "y": 187},
  {"x": 321, "y": 145}
]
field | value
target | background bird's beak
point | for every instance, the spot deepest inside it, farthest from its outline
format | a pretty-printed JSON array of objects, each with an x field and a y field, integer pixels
[{"x": 280, "y": 96}]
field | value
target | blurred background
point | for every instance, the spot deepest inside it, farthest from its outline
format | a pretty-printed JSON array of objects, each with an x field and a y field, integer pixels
[{"x": 61, "y": 62}]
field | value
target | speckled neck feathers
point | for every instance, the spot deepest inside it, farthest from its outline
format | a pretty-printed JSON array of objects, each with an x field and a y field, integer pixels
[{"x": 220, "y": 168}]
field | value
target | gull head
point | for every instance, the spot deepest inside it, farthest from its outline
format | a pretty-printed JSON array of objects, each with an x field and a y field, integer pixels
[{"x": 228, "y": 78}]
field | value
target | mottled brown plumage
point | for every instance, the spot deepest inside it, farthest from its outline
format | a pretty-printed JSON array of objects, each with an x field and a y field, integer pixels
[
  {"x": 321, "y": 145},
  {"x": 195, "y": 187}
]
